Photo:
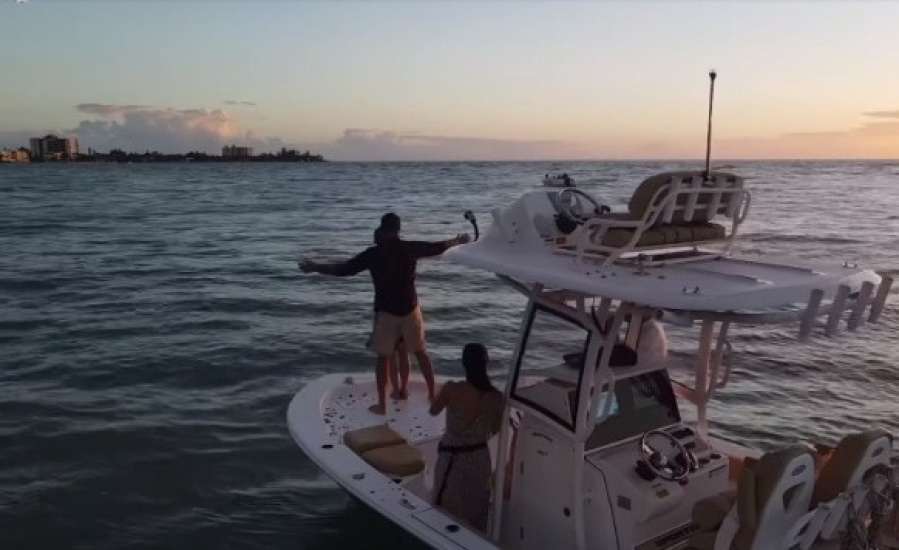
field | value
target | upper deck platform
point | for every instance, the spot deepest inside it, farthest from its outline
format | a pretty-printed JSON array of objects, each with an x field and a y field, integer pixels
[{"x": 522, "y": 243}]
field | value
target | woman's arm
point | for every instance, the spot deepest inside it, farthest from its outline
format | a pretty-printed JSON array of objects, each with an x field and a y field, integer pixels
[
  {"x": 442, "y": 398},
  {"x": 497, "y": 405}
]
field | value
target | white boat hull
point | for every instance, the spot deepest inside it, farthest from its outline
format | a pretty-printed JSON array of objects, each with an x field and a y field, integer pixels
[{"x": 329, "y": 406}]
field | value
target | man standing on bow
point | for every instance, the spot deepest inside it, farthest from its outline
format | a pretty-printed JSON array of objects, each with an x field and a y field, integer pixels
[{"x": 392, "y": 264}]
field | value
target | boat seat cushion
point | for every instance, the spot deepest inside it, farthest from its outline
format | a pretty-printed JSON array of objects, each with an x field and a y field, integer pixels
[
  {"x": 641, "y": 200},
  {"x": 666, "y": 235},
  {"x": 770, "y": 491},
  {"x": 709, "y": 513},
  {"x": 372, "y": 437},
  {"x": 396, "y": 460},
  {"x": 702, "y": 540}
]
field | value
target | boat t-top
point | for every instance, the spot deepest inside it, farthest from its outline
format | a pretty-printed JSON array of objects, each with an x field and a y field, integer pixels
[{"x": 603, "y": 448}]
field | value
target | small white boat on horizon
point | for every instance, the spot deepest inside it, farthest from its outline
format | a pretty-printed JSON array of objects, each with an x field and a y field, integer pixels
[
  {"x": 598, "y": 455},
  {"x": 558, "y": 180}
]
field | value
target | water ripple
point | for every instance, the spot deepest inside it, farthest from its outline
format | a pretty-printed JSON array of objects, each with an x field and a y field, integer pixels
[{"x": 154, "y": 327}]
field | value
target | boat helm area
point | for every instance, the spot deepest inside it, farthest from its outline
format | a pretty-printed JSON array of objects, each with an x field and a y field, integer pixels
[{"x": 598, "y": 425}]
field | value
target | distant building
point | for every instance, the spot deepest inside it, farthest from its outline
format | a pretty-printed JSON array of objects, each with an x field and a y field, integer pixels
[
  {"x": 51, "y": 147},
  {"x": 233, "y": 151},
  {"x": 14, "y": 155}
]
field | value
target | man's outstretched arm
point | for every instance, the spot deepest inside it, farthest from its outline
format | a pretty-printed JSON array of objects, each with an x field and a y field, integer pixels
[
  {"x": 352, "y": 266},
  {"x": 425, "y": 249}
]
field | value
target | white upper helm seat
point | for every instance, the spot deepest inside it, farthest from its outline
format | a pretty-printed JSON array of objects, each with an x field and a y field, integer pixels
[
  {"x": 771, "y": 496},
  {"x": 845, "y": 470}
]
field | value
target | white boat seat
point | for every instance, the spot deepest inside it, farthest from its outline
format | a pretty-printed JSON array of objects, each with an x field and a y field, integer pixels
[
  {"x": 851, "y": 459},
  {"x": 671, "y": 209},
  {"x": 842, "y": 471},
  {"x": 642, "y": 199},
  {"x": 385, "y": 450},
  {"x": 771, "y": 495}
]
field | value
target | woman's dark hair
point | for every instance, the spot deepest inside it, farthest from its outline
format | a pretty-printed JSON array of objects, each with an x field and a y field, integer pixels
[{"x": 475, "y": 359}]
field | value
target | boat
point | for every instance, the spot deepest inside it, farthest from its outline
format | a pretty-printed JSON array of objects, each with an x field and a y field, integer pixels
[
  {"x": 601, "y": 457},
  {"x": 605, "y": 449},
  {"x": 558, "y": 180}
]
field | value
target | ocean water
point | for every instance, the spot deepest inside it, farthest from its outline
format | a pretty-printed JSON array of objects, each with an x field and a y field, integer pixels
[{"x": 153, "y": 328}]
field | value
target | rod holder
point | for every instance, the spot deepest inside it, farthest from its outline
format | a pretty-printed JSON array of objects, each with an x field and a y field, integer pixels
[
  {"x": 856, "y": 317},
  {"x": 836, "y": 311},
  {"x": 811, "y": 311},
  {"x": 880, "y": 299}
]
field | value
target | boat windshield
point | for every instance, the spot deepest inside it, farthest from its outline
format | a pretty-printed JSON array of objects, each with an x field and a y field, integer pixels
[
  {"x": 638, "y": 404},
  {"x": 548, "y": 374}
]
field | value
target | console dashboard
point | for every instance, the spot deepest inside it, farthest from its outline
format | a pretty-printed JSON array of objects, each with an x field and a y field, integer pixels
[{"x": 644, "y": 497}]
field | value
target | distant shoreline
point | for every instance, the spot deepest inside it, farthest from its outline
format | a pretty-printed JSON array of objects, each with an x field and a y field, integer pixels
[{"x": 118, "y": 156}]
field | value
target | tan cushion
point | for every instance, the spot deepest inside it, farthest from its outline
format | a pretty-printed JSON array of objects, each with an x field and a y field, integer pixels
[
  {"x": 642, "y": 197},
  {"x": 621, "y": 237},
  {"x": 703, "y": 540},
  {"x": 396, "y": 460},
  {"x": 366, "y": 439},
  {"x": 643, "y": 194},
  {"x": 709, "y": 512},
  {"x": 708, "y": 232},
  {"x": 666, "y": 235}
]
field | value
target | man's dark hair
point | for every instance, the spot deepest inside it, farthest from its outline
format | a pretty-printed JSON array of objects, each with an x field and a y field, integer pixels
[{"x": 390, "y": 223}]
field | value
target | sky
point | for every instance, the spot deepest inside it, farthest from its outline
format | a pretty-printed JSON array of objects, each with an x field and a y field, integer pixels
[{"x": 456, "y": 79}]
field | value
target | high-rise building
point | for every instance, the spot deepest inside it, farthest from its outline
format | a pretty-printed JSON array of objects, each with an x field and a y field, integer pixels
[
  {"x": 233, "y": 151},
  {"x": 14, "y": 155},
  {"x": 51, "y": 147}
]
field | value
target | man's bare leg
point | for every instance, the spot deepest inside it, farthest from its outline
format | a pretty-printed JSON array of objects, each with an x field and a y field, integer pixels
[
  {"x": 402, "y": 362},
  {"x": 381, "y": 379},
  {"x": 392, "y": 366},
  {"x": 427, "y": 370}
]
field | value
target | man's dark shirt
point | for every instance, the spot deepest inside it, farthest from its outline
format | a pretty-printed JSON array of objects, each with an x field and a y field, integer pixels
[{"x": 392, "y": 266}]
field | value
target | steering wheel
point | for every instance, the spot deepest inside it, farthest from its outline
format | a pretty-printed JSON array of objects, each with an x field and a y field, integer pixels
[
  {"x": 666, "y": 467},
  {"x": 571, "y": 205}
]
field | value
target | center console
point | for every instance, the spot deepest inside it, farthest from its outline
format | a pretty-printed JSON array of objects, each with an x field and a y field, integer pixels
[{"x": 639, "y": 496}]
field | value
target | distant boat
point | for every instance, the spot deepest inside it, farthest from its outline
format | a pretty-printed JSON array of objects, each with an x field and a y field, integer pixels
[{"x": 557, "y": 180}]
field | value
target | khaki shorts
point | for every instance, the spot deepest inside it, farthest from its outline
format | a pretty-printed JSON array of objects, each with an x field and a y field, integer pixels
[
  {"x": 389, "y": 328},
  {"x": 371, "y": 335}
]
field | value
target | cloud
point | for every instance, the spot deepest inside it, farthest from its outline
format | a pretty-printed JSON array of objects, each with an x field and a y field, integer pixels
[
  {"x": 171, "y": 130},
  {"x": 233, "y": 102},
  {"x": 382, "y": 145},
  {"x": 868, "y": 140},
  {"x": 112, "y": 111},
  {"x": 882, "y": 114},
  {"x": 164, "y": 129}
]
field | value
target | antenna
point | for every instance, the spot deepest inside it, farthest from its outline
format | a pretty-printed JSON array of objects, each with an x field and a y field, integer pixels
[{"x": 708, "y": 138}]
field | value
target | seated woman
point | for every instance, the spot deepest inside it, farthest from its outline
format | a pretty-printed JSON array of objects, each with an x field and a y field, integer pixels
[{"x": 474, "y": 410}]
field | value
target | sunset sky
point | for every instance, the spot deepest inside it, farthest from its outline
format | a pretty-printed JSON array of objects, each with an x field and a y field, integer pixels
[{"x": 454, "y": 79}]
